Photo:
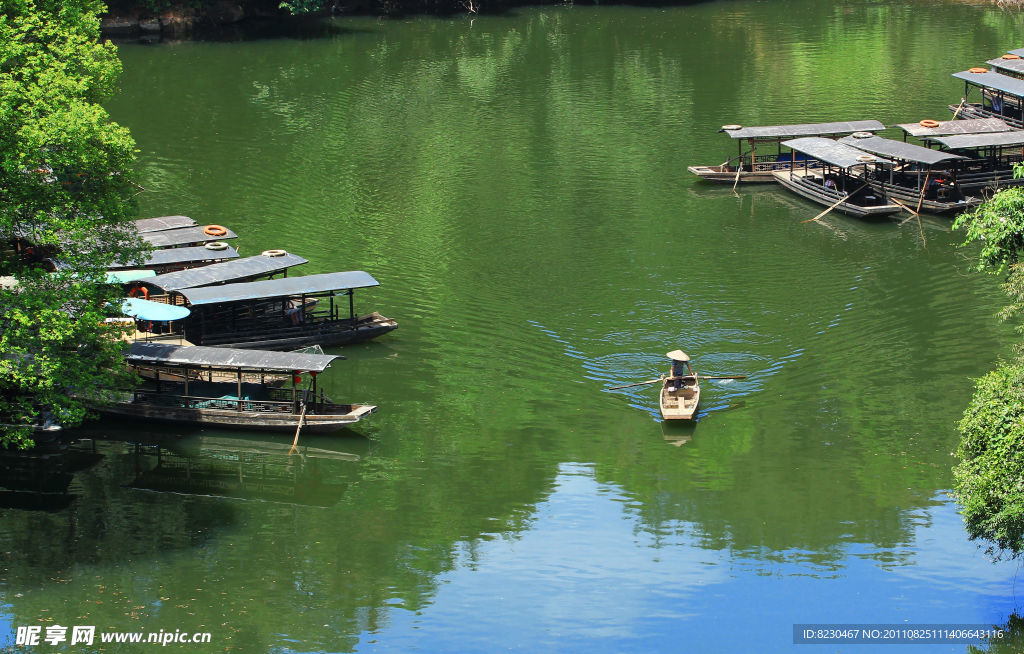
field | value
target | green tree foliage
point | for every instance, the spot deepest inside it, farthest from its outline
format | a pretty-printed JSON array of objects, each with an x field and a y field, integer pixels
[
  {"x": 998, "y": 225},
  {"x": 989, "y": 480},
  {"x": 1010, "y": 642},
  {"x": 65, "y": 190}
]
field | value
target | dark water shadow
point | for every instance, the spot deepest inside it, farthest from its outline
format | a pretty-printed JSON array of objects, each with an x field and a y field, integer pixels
[
  {"x": 301, "y": 28},
  {"x": 1008, "y": 638},
  {"x": 325, "y": 25},
  {"x": 39, "y": 479}
]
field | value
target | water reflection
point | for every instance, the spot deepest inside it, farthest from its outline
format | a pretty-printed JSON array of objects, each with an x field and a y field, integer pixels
[
  {"x": 268, "y": 470},
  {"x": 40, "y": 479},
  {"x": 526, "y": 209}
]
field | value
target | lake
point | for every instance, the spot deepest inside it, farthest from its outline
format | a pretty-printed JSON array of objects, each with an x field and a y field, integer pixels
[{"x": 518, "y": 185}]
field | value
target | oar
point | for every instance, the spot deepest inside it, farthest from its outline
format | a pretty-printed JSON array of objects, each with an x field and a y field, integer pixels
[
  {"x": 957, "y": 112},
  {"x": 649, "y": 381},
  {"x": 298, "y": 428},
  {"x": 920, "y": 200},
  {"x": 739, "y": 169},
  {"x": 838, "y": 202},
  {"x": 722, "y": 377},
  {"x": 914, "y": 213}
]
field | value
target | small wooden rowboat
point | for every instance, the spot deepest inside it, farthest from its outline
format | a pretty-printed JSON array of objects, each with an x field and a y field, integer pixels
[{"x": 680, "y": 391}]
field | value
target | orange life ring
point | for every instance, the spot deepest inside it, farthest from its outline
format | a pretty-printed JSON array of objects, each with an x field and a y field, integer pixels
[
  {"x": 977, "y": 69},
  {"x": 1010, "y": 56},
  {"x": 927, "y": 122},
  {"x": 215, "y": 230},
  {"x": 139, "y": 289}
]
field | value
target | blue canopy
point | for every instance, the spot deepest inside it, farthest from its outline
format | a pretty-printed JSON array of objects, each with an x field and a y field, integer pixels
[
  {"x": 128, "y": 276},
  {"x": 149, "y": 310}
]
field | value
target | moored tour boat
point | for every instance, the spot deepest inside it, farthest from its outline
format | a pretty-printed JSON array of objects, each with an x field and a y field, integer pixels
[
  {"x": 833, "y": 181},
  {"x": 922, "y": 179},
  {"x": 749, "y": 166},
  {"x": 183, "y": 384}
]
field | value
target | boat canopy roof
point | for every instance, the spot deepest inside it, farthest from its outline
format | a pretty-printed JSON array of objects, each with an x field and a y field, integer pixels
[
  {"x": 1012, "y": 65},
  {"x": 283, "y": 287},
  {"x": 182, "y": 236},
  {"x": 678, "y": 355},
  {"x": 808, "y": 129},
  {"x": 162, "y": 223},
  {"x": 899, "y": 150},
  {"x": 149, "y": 310},
  {"x": 994, "y": 81},
  {"x": 960, "y": 141},
  {"x": 226, "y": 358},
  {"x": 195, "y": 254},
  {"x": 228, "y": 271},
  {"x": 833, "y": 152},
  {"x": 947, "y": 127}
]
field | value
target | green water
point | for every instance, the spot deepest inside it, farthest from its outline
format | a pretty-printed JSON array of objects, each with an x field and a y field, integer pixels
[{"x": 518, "y": 186}]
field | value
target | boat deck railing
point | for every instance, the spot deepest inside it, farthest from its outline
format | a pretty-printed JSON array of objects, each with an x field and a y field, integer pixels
[
  {"x": 154, "y": 398},
  {"x": 766, "y": 163},
  {"x": 216, "y": 334},
  {"x": 277, "y": 400},
  {"x": 977, "y": 110},
  {"x": 772, "y": 163}
]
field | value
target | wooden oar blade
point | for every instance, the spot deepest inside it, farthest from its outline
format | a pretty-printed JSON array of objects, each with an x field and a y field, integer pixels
[
  {"x": 838, "y": 202},
  {"x": 649, "y": 381}
]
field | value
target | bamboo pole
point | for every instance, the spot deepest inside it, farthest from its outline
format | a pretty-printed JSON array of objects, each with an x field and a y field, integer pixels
[
  {"x": 298, "y": 428},
  {"x": 924, "y": 188}
]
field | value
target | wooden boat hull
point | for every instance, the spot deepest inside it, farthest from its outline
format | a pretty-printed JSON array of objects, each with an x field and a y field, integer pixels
[
  {"x": 679, "y": 400},
  {"x": 228, "y": 418},
  {"x": 727, "y": 174},
  {"x": 344, "y": 332},
  {"x": 911, "y": 197},
  {"x": 798, "y": 183},
  {"x": 762, "y": 173}
]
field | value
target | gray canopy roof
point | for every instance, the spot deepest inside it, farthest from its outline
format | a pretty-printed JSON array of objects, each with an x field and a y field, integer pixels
[
  {"x": 947, "y": 127},
  {"x": 833, "y": 152},
  {"x": 994, "y": 81},
  {"x": 1012, "y": 65},
  {"x": 271, "y": 288},
  {"x": 182, "y": 236},
  {"x": 1019, "y": 52},
  {"x": 219, "y": 357},
  {"x": 808, "y": 129},
  {"x": 174, "y": 256},
  {"x": 162, "y": 223},
  {"x": 228, "y": 271},
  {"x": 958, "y": 141},
  {"x": 899, "y": 150}
]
